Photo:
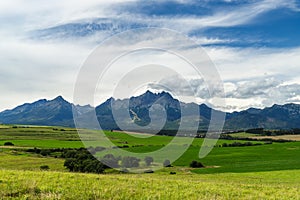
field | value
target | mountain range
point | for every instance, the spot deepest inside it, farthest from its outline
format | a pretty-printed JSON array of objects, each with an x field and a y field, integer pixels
[{"x": 58, "y": 112}]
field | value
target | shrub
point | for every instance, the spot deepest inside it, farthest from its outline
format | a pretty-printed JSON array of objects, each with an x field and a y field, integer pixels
[
  {"x": 148, "y": 171},
  {"x": 167, "y": 163},
  {"x": 44, "y": 167},
  {"x": 196, "y": 164},
  {"x": 110, "y": 161},
  {"x": 8, "y": 144},
  {"x": 129, "y": 162},
  {"x": 99, "y": 148},
  {"x": 224, "y": 145},
  {"x": 148, "y": 160},
  {"x": 45, "y": 152}
]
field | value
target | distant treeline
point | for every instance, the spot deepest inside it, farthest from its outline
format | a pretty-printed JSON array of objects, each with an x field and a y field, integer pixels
[{"x": 202, "y": 133}]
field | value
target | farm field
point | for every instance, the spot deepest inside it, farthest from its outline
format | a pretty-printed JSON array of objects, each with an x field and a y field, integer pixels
[
  {"x": 280, "y": 137},
  {"x": 260, "y": 171}
]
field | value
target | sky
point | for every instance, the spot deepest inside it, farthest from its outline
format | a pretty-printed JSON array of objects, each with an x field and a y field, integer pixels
[{"x": 254, "y": 44}]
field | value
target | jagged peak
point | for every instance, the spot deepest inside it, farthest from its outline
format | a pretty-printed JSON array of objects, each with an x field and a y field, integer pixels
[{"x": 59, "y": 98}]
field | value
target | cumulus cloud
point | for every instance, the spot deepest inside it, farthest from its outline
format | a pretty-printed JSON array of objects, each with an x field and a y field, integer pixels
[
  {"x": 240, "y": 95},
  {"x": 253, "y": 88}
]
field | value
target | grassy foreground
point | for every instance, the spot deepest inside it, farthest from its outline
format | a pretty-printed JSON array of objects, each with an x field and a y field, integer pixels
[
  {"x": 266, "y": 171},
  {"x": 61, "y": 185}
]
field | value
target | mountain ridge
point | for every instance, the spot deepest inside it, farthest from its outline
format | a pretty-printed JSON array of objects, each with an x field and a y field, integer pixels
[{"x": 58, "y": 112}]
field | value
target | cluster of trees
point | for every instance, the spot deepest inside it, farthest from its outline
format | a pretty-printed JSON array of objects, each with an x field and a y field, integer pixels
[
  {"x": 60, "y": 152},
  {"x": 83, "y": 161},
  {"x": 261, "y": 131},
  {"x": 239, "y": 144}
]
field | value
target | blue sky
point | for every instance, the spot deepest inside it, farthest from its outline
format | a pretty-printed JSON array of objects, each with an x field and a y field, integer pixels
[{"x": 254, "y": 44}]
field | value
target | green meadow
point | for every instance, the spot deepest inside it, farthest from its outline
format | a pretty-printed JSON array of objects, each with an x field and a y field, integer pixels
[{"x": 261, "y": 171}]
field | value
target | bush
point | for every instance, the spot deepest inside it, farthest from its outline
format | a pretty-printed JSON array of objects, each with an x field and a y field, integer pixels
[
  {"x": 196, "y": 164},
  {"x": 148, "y": 160},
  {"x": 8, "y": 144},
  {"x": 129, "y": 162},
  {"x": 149, "y": 171},
  {"x": 45, "y": 152},
  {"x": 224, "y": 145},
  {"x": 44, "y": 167},
  {"x": 167, "y": 163},
  {"x": 97, "y": 149},
  {"x": 110, "y": 161}
]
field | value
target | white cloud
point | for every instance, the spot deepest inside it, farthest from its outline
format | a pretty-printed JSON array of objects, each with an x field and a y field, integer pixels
[
  {"x": 30, "y": 71},
  {"x": 44, "y": 69},
  {"x": 248, "y": 63},
  {"x": 239, "y": 15}
]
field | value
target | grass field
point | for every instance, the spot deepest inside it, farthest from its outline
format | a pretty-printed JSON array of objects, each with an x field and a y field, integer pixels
[
  {"x": 242, "y": 135},
  {"x": 280, "y": 137},
  {"x": 266, "y": 171},
  {"x": 58, "y": 185},
  {"x": 22, "y": 161}
]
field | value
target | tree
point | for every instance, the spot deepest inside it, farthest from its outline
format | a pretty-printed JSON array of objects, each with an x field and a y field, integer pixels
[
  {"x": 45, "y": 152},
  {"x": 129, "y": 162},
  {"x": 167, "y": 163},
  {"x": 70, "y": 164},
  {"x": 110, "y": 161},
  {"x": 8, "y": 144},
  {"x": 44, "y": 167},
  {"x": 196, "y": 164},
  {"x": 148, "y": 160}
]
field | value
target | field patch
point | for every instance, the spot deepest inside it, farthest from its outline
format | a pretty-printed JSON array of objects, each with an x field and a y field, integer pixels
[
  {"x": 280, "y": 137},
  {"x": 21, "y": 161}
]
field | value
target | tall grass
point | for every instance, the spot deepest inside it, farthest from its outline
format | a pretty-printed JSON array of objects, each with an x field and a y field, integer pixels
[{"x": 59, "y": 185}]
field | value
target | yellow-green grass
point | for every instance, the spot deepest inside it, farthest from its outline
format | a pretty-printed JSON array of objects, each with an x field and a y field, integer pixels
[
  {"x": 44, "y": 143},
  {"x": 280, "y": 137},
  {"x": 4, "y": 126},
  {"x": 22, "y": 161},
  {"x": 36, "y": 132},
  {"x": 61, "y": 185},
  {"x": 242, "y": 135}
]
